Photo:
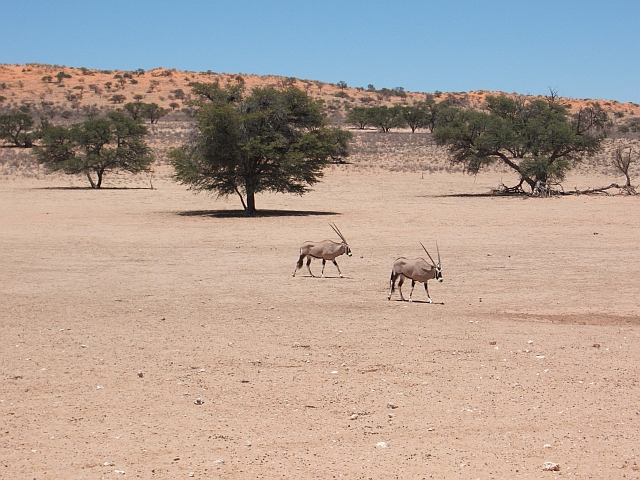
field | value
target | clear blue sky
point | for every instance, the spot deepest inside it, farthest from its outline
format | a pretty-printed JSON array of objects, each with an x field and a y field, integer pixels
[{"x": 581, "y": 48}]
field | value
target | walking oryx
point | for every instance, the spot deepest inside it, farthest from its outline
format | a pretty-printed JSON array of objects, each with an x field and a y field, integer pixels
[
  {"x": 326, "y": 250},
  {"x": 418, "y": 270}
]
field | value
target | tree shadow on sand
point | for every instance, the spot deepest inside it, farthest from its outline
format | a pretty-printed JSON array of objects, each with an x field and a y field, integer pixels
[
  {"x": 259, "y": 213},
  {"x": 474, "y": 195},
  {"x": 471, "y": 195},
  {"x": 92, "y": 189}
]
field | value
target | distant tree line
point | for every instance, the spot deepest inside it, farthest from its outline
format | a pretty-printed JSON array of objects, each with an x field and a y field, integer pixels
[
  {"x": 93, "y": 147},
  {"x": 278, "y": 139},
  {"x": 421, "y": 115},
  {"x": 18, "y": 128}
]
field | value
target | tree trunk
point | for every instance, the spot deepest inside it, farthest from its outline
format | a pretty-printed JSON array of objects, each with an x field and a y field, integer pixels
[
  {"x": 528, "y": 181},
  {"x": 93, "y": 185},
  {"x": 244, "y": 205},
  {"x": 100, "y": 173},
  {"x": 251, "y": 203}
]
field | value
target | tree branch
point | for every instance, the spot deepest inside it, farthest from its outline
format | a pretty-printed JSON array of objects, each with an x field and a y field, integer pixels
[
  {"x": 628, "y": 190},
  {"x": 244, "y": 205}
]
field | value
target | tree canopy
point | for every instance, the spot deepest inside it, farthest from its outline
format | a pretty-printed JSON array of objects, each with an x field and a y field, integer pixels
[
  {"x": 359, "y": 116},
  {"x": 212, "y": 92},
  {"x": 96, "y": 146},
  {"x": 416, "y": 116},
  {"x": 537, "y": 138},
  {"x": 421, "y": 115},
  {"x": 386, "y": 118},
  {"x": 271, "y": 140},
  {"x": 151, "y": 111},
  {"x": 134, "y": 109},
  {"x": 15, "y": 129}
]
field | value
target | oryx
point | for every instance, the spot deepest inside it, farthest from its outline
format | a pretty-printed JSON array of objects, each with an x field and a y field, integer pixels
[
  {"x": 326, "y": 250},
  {"x": 418, "y": 270}
]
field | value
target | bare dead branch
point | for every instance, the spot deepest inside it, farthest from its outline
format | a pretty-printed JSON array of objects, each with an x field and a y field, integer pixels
[
  {"x": 622, "y": 160},
  {"x": 622, "y": 189}
]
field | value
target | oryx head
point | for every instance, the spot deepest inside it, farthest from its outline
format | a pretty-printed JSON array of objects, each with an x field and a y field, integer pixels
[
  {"x": 438, "y": 267},
  {"x": 347, "y": 250}
]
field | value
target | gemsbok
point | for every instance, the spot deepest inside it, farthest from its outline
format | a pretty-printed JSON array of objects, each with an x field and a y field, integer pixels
[
  {"x": 326, "y": 250},
  {"x": 418, "y": 270}
]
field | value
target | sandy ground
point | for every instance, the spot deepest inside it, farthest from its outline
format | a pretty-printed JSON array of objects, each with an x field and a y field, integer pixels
[{"x": 120, "y": 308}]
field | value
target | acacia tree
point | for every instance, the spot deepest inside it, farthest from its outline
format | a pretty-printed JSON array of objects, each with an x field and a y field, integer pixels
[
  {"x": 358, "y": 116},
  {"x": 95, "y": 147},
  {"x": 138, "y": 110},
  {"x": 15, "y": 129},
  {"x": 91, "y": 111},
  {"x": 272, "y": 140},
  {"x": 212, "y": 92},
  {"x": 538, "y": 139},
  {"x": 386, "y": 118},
  {"x": 416, "y": 116},
  {"x": 153, "y": 112},
  {"x": 134, "y": 109},
  {"x": 179, "y": 94},
  {"x": 431, "y": 111}
]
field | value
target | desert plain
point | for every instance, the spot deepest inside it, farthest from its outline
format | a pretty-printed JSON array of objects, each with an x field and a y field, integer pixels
[{"x": 154, "y": 333}]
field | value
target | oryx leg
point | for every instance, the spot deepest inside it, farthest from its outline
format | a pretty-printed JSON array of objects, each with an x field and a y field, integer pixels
[
  {"x": 336, "y": 264},
  {"x": 323, "y": 262},
  {"x": 400, "y": 282},
  {"x": 298, "y": 265},
  {"x": 308, "y": 267},
  {"x": 413, "y": 284},
  {"x": 392, "y": 283},
  {"x": 426, "y": 289}
]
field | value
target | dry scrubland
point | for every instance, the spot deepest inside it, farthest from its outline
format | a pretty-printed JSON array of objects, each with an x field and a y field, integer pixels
[
  {"x": 38, "y": 86},
  {"x": 159, "y": 334},
  {"x": 371, "y": 151}
]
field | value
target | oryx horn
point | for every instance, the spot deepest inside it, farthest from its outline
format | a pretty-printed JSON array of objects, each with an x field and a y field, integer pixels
[
  {"x": 438, "y": 252},
  {"x": 433, "y": 263},
  {"x": 337, "y": 230}
]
